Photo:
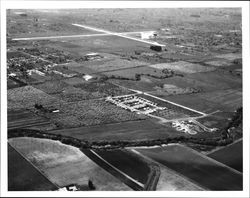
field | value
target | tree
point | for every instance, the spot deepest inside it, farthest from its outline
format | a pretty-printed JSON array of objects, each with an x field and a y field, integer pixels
[
  {"x": 91, "y": 185},
  {"x": 37, "y": 106},
  {"x": 137, "y": 77}
]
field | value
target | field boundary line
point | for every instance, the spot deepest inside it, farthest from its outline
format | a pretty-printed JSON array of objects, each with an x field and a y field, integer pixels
[
  {"x": 124, "y": 174},
  {"x": 43, "y": 174}
]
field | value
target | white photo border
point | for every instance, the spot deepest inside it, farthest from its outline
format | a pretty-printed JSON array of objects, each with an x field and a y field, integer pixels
[{"x": 244, "y": 5}]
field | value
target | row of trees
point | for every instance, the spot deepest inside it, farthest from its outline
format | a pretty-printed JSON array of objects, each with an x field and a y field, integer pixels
[{"x": 82, "y": 144}]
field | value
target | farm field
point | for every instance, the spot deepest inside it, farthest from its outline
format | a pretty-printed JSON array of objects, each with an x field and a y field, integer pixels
[
  {"x": 90, "y": 112},
  {"x": 52, "y": 24},
  {"x": 115, "y": 65},
  {"x": 230, "y": 56},
  {"x": 170, "y": 181},
  {"x": 231, "y": 98},
  {"x": 216, "y": 121},
  {"x": 196, "y": 102},
  {"x": 72, "y": 90},
  {"x": 133, "y": 130},
  {"x": 22, "y": 176},
  {"x": 225, "y": 100},
  {"x": 217, "y": 80},
  {"x": 231, "y": 155},
  {"x": 131, "y": 72},
  {"x": 145, "y": 84},
  {"x": 128, "y": 167},
  {"x": 169, "y": 89},
  {"x": 14, "y": 84},
  {"x": 218, "y": 63},
  {"x": 199, "y": 169},
  {"x": 177, "y": 110},
  {"x": 207, "y": 81},
  {"x": 183, "y": 67},
  {"x": 65, "y": 164},
  {"x": 27, "y": 97},
  {"x": 26, "y": 119}
]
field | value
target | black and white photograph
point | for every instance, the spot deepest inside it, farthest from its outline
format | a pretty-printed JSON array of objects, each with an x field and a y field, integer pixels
[{"x": 136, "y": 98}]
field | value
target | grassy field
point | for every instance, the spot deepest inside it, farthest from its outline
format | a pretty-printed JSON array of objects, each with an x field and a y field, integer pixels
[
  {"x": 145, "y": 84},
  {"x": 217, "y": 121},
  {"x": 115, "y": 64},
  {"x": 108, "y": 44},
  {"x": 225, "y": 100},
  {"x": 231, "y": 98},
  {"x": 134, "y": 130},
  {"x": 183, "y": 67},
  {"x": 197, "y": 168},
  {"x": 177, "y": 111},
  {"x": 231, "y": 155},
  {"x": 208, "y": 81},
  {"x": 65, "y": 164},
  {"x": 131, "y": 72},
  {"x": 196, "y": 102},
  {"x": 22, "y": 176}
]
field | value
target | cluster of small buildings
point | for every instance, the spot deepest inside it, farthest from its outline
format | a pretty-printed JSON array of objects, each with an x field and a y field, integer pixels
[
  {"x": 70, "y": 187},
  {"x": 191, "y": 127},
  {"x": 135, "y": 104}
]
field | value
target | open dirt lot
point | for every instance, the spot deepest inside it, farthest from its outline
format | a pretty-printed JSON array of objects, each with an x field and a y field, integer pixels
[{"x": 65, "y": 164}]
